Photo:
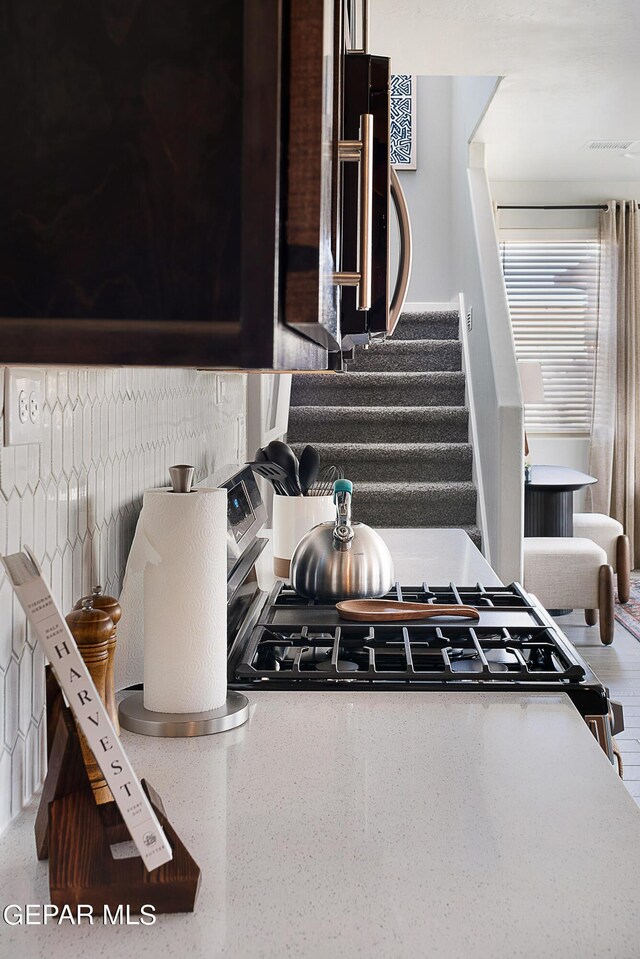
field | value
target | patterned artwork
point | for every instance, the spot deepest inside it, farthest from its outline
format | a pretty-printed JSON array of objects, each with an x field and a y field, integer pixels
[{"x": 403, "y": 121}]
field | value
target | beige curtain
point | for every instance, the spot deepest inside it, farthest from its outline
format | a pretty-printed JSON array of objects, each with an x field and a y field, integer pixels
[
  {"x": 604, "y": 394},
  {"x": 625, "y": 487},
  {"x": 615, "y": 449}
]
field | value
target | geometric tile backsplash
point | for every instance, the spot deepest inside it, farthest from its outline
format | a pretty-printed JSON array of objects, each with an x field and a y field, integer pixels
[{"x": 109, "y": 434}]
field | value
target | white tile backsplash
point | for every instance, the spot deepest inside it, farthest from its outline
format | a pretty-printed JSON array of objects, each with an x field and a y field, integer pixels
[{"x": 108, "y": 436}]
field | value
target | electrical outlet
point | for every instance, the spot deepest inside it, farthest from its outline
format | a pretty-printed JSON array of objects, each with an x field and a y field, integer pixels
[
  {"x": 23, "y": 401},
  {"x": 470, "y": 320}
]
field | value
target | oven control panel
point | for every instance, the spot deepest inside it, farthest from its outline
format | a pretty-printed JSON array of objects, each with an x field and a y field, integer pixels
[{"x": 246, "y": 513}]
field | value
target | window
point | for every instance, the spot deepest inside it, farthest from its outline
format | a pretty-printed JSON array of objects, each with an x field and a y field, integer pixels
[{"x": 552, "y": 280}]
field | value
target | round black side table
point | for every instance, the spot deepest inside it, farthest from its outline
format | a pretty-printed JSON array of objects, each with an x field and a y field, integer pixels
[{"x": 548, "y": 500}]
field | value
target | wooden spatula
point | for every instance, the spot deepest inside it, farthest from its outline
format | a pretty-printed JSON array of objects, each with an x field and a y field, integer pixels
[{"x": 390, "y": 611}]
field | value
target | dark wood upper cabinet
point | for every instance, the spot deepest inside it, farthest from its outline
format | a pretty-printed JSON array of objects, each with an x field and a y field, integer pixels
[{"x": 168, "y": 184}]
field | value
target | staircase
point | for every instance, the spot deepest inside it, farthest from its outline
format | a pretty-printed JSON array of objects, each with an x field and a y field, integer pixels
[{"x": 397, "y": 425}]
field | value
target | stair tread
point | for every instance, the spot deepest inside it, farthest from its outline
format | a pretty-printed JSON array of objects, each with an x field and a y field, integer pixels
[
  {"x": 397, "y": 486},
  {"x": 412, "y": 410},
  {"x": 389, "y": 462},
  {"x": 401, "y": 447},
  {"x": 427, "y": 342},
  {"x": 419, "y": 326},
  {"x": 332, "y": 380},
  {"x": 312, "y": 424},
  {"x": 381, "y": 388}
]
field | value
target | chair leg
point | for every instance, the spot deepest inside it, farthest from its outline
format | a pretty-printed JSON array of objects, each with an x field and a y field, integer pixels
[
  {"x": 591, "y": 617},
  {"x": 606, "y": 599},
  {"x": 623, "y": 567},
  {"x": 618, "y": 758}
]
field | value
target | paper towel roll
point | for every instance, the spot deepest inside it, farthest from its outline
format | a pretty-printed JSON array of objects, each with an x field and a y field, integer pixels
[
  {"x": 185, "y": 600},
  {"x": 174, "y": 602},
  {"x": 128, "y": 663}
]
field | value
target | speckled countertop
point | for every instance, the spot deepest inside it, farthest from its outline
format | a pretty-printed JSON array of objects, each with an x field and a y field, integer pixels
[
  {"x": 337, "y": 824},
  {"x": 378, "y": 825}
]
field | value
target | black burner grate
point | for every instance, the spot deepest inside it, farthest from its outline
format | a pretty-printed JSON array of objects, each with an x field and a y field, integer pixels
[
  {"x": 305, "y": 645},
  {"x": 403, "y": 653}
]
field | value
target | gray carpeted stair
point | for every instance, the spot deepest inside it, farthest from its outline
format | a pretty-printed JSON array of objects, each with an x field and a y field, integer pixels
[
  {"x": 355, "y": 424},
  {"x": 427, "y": 326},
  {"x": 441, "y": 462},
  {"x": 380, "y": 389},
  {"x": 411, "y": 356},
  {"x": 397, "y": 425}
]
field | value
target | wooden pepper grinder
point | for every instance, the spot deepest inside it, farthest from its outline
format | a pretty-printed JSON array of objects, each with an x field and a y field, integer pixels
[
  {"x": 92, "y": 629},
  {"x": 110, "y": 606}
]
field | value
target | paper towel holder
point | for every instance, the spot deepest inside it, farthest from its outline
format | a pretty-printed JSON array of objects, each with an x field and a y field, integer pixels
[
  {"x": 135, "y": 717},
  {"x": 181, "y": 478}
]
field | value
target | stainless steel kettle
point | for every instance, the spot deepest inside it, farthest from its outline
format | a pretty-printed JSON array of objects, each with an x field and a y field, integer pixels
[{"x": 341, "y": 560}]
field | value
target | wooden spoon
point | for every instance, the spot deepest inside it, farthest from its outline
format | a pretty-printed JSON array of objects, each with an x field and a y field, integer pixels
[{"x": 390, "y": 611}]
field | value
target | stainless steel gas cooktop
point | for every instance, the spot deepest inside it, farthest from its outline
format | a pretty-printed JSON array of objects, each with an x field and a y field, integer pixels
[
  {"x": 296, "y": 644},
  {"x": 280, "y": 641}
]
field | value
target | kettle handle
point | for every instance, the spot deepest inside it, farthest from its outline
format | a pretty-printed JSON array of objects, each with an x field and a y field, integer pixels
[{"x": 343, "y": 531}]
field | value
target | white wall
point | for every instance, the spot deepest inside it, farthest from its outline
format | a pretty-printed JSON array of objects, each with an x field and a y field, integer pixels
[
  {"x": 428, "y": 193},
  {"x": 74, "y": 500},
  {"x": 478, "y": 274}
]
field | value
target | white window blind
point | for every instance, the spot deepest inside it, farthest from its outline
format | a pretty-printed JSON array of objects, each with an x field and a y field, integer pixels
[{"x": 552, "y": 280}]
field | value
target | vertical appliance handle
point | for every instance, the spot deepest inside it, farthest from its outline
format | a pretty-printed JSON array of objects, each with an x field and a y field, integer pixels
[
  {"x": 406, "y": 253},
  {"x": 361, "y": 152}
]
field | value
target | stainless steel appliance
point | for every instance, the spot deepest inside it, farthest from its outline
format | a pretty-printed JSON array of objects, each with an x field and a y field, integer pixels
[
  {"x": 281, "y": 641},
  {"x": 367, "y": 188},
  {"x": 340, "y": 559},
  {"x": 369, "y": 309}
]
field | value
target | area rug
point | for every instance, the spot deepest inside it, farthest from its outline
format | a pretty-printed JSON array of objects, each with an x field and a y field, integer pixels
[{"x": 629, "y": 614}]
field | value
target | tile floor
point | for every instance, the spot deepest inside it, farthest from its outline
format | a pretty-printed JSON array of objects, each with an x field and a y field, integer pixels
[{"x": 618, "y": 667}]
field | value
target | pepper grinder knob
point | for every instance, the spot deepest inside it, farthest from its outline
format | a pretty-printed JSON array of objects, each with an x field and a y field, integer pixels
[{"x": 181, "y": 478}]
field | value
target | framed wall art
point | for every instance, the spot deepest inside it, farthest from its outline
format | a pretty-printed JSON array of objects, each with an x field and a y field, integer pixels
[{"x": 403, "y": 121}]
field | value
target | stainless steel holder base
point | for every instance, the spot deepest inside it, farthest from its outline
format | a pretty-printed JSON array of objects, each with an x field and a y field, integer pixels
[{"x": 137, "y": 719}]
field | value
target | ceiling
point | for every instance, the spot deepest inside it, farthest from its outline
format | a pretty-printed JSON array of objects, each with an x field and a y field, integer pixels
[{"x": 571, "y": 73}]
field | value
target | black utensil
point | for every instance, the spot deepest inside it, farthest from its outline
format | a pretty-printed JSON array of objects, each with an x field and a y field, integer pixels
[
  {"x": 272, "y": 472},
  {"x": 283, "y": 456},
  {"x": 309, "y": 468}
]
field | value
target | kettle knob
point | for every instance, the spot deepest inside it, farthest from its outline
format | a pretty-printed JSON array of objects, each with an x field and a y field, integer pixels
[{"x": 343, "y": 531}]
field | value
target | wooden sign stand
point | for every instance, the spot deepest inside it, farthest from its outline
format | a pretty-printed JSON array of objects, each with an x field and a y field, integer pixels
[{"x": 75, "y": 835}]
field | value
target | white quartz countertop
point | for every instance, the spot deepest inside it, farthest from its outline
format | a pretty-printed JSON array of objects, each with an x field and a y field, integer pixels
[
  {"x": 378, "y": 825},
  {"x": 346, "y": 824}
]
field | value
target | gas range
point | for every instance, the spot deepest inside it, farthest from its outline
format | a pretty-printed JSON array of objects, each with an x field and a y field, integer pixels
[
  {"x": 514, "y": 646},
  {"x": 280, "y": 641}
]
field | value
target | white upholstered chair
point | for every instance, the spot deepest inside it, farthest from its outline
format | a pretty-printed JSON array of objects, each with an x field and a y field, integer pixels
[
  {"x": 565, "y": 572},
  {"x": 609, "y": 534}
]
